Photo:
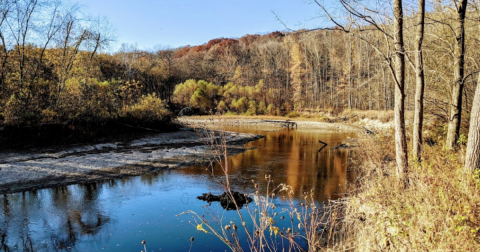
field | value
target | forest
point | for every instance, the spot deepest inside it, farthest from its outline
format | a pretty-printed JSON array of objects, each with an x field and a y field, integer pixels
[{"x": 53, "y": 69}]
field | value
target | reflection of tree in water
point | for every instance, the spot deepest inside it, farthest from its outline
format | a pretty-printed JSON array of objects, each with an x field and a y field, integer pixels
[
  {"x": 4, "y": 224},
  {"x": 3, "y": 245},
  {"x": 290, "y": 157},
  {"x": 65, "y": 212}
]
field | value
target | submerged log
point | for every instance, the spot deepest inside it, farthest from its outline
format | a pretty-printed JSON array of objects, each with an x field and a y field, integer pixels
[{"x": 226, "y": 200}]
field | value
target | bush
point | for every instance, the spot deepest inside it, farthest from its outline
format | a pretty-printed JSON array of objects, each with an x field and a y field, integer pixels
[
  {"x": 293, "y": 114},
  {"x": 148, "y": 109}
]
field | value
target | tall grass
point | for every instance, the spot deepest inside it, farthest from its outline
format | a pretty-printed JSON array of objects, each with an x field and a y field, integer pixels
[{"x": 438, "y": 211}]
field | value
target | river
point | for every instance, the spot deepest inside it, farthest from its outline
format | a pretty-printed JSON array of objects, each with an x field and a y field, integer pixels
[{"x": 116, "y": 215}]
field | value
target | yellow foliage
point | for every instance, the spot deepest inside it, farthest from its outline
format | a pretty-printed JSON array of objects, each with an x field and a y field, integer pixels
[{"x": 149, "y": 108}]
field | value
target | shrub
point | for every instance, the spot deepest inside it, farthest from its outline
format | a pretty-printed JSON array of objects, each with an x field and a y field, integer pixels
[
  {"x": 148, "y": 109},
  {"x": 293, "y": 114}
]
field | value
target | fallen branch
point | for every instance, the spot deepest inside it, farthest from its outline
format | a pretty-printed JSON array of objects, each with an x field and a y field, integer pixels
[{"x": 324, "y": 145}]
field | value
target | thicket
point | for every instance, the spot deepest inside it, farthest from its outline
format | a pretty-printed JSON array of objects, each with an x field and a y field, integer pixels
[
  {"x": 437, "y": 211},
  {"x": 230, "y": 99},
  {"x": 52, "y": 70}
]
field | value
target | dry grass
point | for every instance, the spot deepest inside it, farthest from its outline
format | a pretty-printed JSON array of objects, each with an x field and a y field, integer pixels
[{"x": 438, "y": 211}]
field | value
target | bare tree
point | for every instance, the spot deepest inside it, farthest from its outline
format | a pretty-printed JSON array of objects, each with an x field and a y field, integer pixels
[
  {"x": 472, "y": 158},
  {"x": 459, "y": 71},
  {"x": 420, "y": 82},
  {"x": 5, "y": 6},
  {"x": 367, "y": 22},
  {"x": 399, "y": 111}
]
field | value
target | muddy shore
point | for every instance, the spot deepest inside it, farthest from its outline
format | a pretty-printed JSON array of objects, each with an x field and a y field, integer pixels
[{"x": 41, "y": 168}]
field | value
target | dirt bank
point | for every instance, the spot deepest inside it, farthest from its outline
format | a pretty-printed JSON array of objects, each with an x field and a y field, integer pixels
[{"x": 34, "y": 169}]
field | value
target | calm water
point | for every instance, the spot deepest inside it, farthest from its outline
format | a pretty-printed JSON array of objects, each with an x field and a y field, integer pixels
[{"x": 117, "y": 215}]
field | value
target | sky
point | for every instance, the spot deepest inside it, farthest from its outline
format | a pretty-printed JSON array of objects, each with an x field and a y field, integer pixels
[{"x": 154, "y": 24}]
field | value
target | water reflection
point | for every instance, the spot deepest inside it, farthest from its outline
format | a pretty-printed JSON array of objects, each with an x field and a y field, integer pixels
[
  {"x": 117, "y": 214},
  {"x": 290, "y": 157},
  {"x": 51, "y": 218}
]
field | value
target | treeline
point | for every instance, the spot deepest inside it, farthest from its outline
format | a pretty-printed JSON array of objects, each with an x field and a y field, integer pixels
[
  {"x": 331, "y": 69},
  {"x": 52, "y": 69}
]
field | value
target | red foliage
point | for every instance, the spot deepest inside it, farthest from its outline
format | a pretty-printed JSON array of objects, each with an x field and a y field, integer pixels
[{"x": 182, "y": 52}]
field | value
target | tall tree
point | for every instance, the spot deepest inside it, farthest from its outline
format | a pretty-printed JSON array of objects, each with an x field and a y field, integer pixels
[
  {"x": 399, "y": 110},
  {"x": 420, "y": 82},
  {"x": 472, "y": 158},
  {"x": 396, "y": 66},
  {"x": 459, "y": 72}
]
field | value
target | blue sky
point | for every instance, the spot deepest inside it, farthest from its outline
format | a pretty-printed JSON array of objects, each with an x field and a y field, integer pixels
[{"x": 174, "y": 23}]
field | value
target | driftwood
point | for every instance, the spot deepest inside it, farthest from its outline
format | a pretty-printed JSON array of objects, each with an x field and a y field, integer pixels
[
  {"x": 324, "y": 145},
  {"x": 369, "y": 132},
  {"x": 287, "y": 124},
  {"x": 349, "y": 143},
  {"x": 185, "y": 110},
  {"x": 226, "y": 201}
]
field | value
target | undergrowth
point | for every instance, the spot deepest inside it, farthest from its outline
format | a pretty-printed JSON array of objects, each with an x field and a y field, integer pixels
[{"x": 437, "y": 211}]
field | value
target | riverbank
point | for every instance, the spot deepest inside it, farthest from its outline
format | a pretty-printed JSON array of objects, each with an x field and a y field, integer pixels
[
  {"x": 267, "y": 121},
  {"x": 48, "y": 167},
  {"x": 437, "y": 211}
]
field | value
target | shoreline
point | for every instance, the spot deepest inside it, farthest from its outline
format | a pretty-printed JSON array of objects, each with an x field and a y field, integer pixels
[
  {"x": 204, "y": 121},
  {"x": 48, "y": 167},
  {"x": 37, "y": 169}
]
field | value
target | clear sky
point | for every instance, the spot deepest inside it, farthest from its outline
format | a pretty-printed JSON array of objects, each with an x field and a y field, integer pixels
[{"x": 174, "y": 23}]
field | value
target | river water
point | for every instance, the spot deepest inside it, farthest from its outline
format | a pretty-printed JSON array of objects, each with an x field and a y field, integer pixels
[{"x": 117, "y": 215}]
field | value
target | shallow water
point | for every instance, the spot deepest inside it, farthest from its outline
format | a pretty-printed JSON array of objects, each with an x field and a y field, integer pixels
[{"x": 117, "y": 215}]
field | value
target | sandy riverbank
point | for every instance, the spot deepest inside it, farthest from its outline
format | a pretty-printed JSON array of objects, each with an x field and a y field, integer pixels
[
  {"x": 34, "y": 169},
  {"x": 204, "y": 121}
]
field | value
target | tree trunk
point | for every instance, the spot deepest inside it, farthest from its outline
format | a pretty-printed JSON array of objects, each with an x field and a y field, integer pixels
[
  {"x": 456, "y": 103},
  {"x": 399, "y": 111},
  {"x": 420, "y": 84},
  {"x": 472, "y": 158},
  {"x": 350, "y": 65}
]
